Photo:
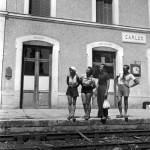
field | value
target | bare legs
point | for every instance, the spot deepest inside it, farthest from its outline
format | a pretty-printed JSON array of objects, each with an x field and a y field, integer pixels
[
  {"x": 125, "y": 105},
  {"x": 71, "y": 106},
  {"x": 120, "y": 105},
  {"x": 86, "y": 100},
  {"x": 83, "y": 96}
]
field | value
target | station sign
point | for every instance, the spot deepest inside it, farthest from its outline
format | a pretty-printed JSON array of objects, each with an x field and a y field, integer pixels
[{"x": 133, "y": 37}]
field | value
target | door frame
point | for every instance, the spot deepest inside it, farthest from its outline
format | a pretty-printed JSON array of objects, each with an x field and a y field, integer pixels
[
  {"x": 18, "y": 66},
  {"x": 148, "y": 64},
  {"x": 36, "y": 61},
  {"x": 114, "y": 48}
]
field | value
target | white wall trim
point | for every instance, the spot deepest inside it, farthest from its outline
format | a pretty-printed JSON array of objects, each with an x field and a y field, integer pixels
[
  {"x": 2, "y": 34},
  {"x": 117, "y": 49},
  {"x": 93, "y": 10},
  {"x": 55, "y": 55},
  {"x": 73, "y": 22},
  {"x": 26, "y": 6},
  {"x": 52, "y": 7},
  {"x": 149, "y": 11},
  {"x": 115, "y": 9},
  {"x": 148, "y": 64},
  {"x": 2, "y": 5}
]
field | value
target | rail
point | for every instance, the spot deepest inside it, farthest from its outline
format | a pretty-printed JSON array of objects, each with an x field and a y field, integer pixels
[{"x": 133, "y": 139}]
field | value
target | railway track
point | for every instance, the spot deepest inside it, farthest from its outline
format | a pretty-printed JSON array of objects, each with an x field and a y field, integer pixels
[{"x": 134, "y": 139}]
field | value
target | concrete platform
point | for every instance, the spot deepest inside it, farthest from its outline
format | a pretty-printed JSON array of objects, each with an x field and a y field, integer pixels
[{"x": 55, "y": 120}]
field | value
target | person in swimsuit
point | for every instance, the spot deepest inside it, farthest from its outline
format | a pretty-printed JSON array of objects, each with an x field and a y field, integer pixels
[{"x": 88, "y": 84}]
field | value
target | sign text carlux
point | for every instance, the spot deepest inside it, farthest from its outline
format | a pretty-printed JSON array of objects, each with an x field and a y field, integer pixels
[{"x": 133, "y": 37}]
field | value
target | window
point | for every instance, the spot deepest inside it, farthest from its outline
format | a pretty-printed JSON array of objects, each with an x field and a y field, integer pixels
[
  {"x": 103, "y": 57},
  {"x": 39, "y": 8},
  {"x": 104, "y": 11},
  {"x": 37, "y": 54}
]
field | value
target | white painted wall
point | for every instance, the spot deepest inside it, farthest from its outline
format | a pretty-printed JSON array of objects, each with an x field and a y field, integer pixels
[{"x": 2, "y": 5}]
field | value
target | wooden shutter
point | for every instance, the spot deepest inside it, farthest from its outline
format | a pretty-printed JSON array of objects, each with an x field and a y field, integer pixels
[
  {"x": 45, "y": 8},
  {"x": 104, "y": 11},
  {"x": 35, "y": 7},
  {"x": 40, "y": 8},
  {"x": 99, "y": 11},
  {"x": 105, "y": 14},
  {"x": 110, "y": 12}
]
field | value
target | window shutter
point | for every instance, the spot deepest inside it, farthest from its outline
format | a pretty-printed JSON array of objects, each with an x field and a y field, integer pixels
[
  {"x": 104, "y": 11},
  {"x": 105, "y": 14},
  {"x": 45, "y": 8},
  {"x": 35, "y": 7},
  {"x": 110, "y": 12},
  {"x": 101, "y": 11},
  {"x": 98, "y": 11},
  {"x": 40, "y": 8}
]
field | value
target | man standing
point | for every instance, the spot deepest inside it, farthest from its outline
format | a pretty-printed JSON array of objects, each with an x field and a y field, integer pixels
[
  {"x": 102, "y": 90},
  {"x": 123, "y": 81}
]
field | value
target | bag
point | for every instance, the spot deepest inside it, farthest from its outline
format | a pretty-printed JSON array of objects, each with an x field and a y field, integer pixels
[{"x": 106, "y": 104}]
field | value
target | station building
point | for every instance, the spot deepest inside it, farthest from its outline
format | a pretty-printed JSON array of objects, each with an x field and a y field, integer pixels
[{"x": 41, "y": 39}]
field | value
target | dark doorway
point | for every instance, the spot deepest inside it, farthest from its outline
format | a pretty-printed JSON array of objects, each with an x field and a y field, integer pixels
[
  {"x": 36, "y": 77},
  {"x": 108, "y": 58}
]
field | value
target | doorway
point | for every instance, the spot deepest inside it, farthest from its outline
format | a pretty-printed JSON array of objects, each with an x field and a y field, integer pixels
[
  {"x": 109, "y": 59},
  {"x": 36, "y": 77}
]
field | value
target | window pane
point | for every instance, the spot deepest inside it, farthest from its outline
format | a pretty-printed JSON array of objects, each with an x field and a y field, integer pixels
[
  {"x": 29, "y": 53},
  {"x": 44, "y": 69},
  {"x": 103, "y": 57},
  {"x": 29, "y": 68},
  {"x": 44, "y": 53},
  {"x": 110, "y": 71},
  {"x": 109, "y": 2},
  {"x": 95, "y": 71},
  {"x": 108, "y": 58},
  {"x": 96, "y": 56}
]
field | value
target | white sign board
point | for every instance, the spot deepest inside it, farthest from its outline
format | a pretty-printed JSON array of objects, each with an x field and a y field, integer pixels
[{"x": 133, "y": 37}]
